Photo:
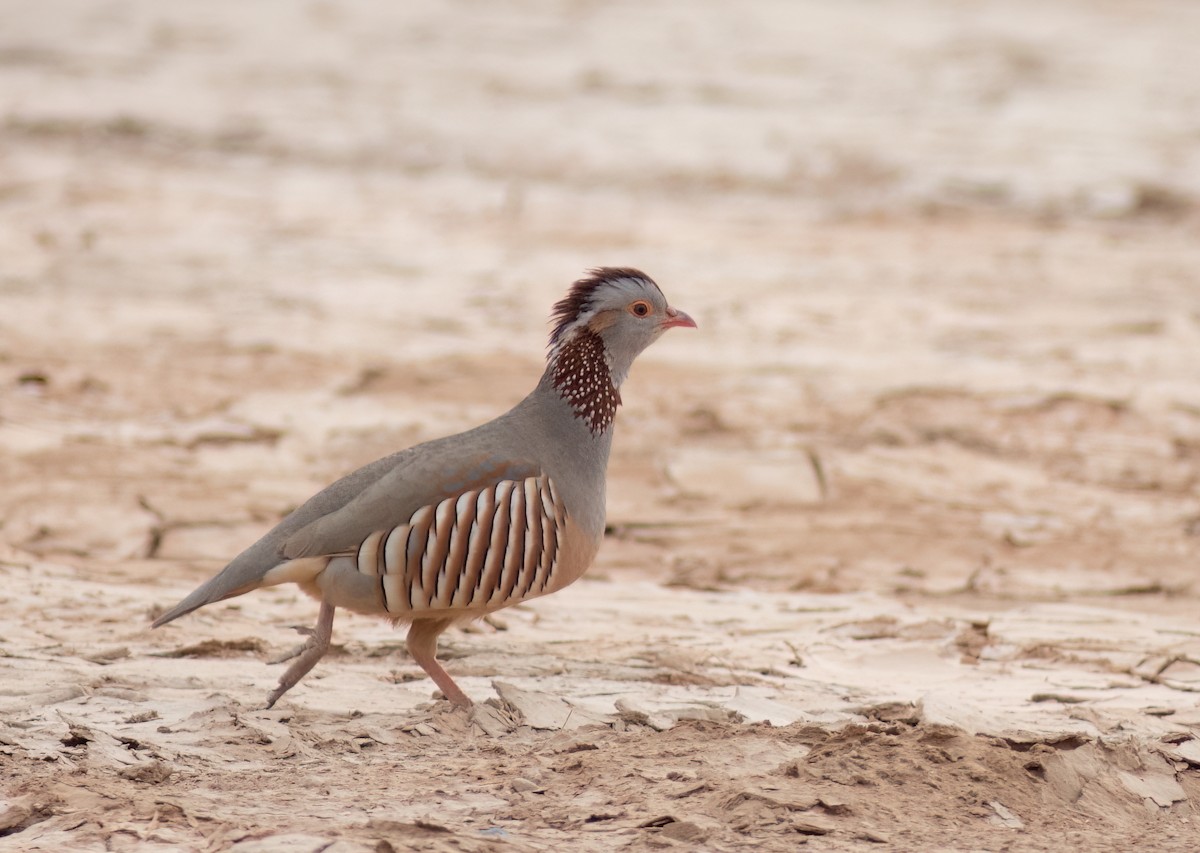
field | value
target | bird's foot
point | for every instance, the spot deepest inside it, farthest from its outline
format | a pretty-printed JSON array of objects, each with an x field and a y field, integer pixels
[
  {"x": 296, "y": 651},
  {"x": 306, "y": 655},
  {"x": 458, "y": 700}
]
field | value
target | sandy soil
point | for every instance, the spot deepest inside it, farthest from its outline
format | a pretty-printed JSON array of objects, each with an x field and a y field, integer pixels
[{"x": 904, "y": 541}]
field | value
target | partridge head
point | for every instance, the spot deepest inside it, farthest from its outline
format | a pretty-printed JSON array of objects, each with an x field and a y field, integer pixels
[{"x": 456, "y": 528}]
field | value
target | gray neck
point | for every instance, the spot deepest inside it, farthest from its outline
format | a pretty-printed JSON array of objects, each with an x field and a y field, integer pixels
[{"x": 570, "y": 417}]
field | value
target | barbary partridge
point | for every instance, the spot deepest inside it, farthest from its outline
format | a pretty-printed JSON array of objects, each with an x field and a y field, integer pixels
[{"x": 458, "y": 527}]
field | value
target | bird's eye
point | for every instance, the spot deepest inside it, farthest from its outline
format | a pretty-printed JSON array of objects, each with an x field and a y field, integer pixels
[{"x": 639, "y": 309}]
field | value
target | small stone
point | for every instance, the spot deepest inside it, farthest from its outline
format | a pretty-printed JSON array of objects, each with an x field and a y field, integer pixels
[
  {"x": 1004, "y": 816},
  {"x": 684, "y": 830}
]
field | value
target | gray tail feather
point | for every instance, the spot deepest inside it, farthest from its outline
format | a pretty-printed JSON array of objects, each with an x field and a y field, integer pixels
[
  {"x": 197, "y": 599},
  {"x": 242, "y": 575},
  {"x": 249, "y": 568}
]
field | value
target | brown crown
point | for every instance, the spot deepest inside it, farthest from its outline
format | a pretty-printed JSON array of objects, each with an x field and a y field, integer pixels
[{"x": 568, "y": 309}]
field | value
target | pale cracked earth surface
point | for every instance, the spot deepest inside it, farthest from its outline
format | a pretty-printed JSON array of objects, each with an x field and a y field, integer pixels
[{"x": 904, "y": 540}]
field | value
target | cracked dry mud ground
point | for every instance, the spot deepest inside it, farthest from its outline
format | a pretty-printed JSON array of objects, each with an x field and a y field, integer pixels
[{"x": 903, "y": 545}]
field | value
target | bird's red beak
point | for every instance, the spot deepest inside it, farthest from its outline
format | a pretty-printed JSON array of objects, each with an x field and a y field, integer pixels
[{"x": 675, "y": 317}]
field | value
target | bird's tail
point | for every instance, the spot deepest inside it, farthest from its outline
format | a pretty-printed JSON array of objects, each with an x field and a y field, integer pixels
[{"x": 244, "y": 575}]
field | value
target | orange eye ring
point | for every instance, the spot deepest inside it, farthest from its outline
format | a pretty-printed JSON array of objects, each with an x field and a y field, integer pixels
[{"x": 641, "y": 308}]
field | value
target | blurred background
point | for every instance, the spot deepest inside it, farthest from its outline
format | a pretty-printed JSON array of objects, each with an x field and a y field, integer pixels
[
  {"x": 929, "y": 469},
  {"x": 943, "y": 257}
]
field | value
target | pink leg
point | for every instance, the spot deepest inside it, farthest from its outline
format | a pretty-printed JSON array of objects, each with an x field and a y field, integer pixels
[
  {"x": 422, "y": 645},
  {"x": 311, "y": 652}
]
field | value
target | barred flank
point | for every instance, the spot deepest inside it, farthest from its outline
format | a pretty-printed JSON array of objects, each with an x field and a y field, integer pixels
[{"x": 486, "y": 547}]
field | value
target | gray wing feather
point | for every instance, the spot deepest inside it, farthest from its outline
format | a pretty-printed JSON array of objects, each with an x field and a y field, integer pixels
[
  {"x": 440, "y": 471},
  {"x": 375, "y": 497}
]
